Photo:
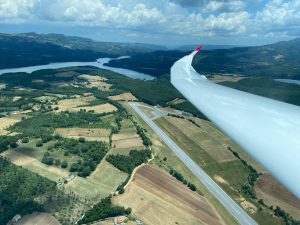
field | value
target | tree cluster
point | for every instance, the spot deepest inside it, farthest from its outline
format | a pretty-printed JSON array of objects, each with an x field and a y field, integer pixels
[
  {"x": 90, "y": 152},
  {"x": 128, "y": 163},
  {"x": 141, "y": 132},
  {"x": 102, "y": 210},
  {"x": 180, "y": 177},
  {"x": 251, "y": 179}
]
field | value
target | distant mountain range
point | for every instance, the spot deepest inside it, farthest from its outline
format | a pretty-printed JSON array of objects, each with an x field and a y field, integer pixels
[
  {"x": 35, "y": 49},
  {"x": 205, "y": 47},
  {"x": 279, "y": 60}
]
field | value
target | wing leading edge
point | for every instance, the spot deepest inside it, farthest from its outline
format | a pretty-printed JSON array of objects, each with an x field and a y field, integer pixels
[{"x": 266, "y": 129}]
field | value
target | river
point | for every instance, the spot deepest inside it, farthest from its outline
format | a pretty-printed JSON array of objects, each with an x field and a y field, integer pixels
[{"x": 99, "y": 63}]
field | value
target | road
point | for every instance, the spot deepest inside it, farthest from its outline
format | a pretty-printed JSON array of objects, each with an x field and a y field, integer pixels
[{"x": 241, "y": 216}]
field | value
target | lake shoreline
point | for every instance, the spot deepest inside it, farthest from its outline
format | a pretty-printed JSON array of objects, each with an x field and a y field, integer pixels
[{"x": 99, "y": 63}]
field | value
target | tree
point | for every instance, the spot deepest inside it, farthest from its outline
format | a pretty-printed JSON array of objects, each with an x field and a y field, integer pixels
[
  {"x": 128, "y": 211},
  {"x": 14, "y": 145},
  {"x": 81, "y": 139},
  {"x": 64, "y": 164},
  {"x": 57, "y": 162},
  {"x": 39, "y": 144},
  {"x": 48, "y": 161},
  {"x": 25, "y": 140}
]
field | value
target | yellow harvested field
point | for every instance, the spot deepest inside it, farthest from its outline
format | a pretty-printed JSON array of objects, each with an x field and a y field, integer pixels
[
  {"x": 158, "y": 198},
  {"x": 38, "y": 219},
  {"x": 220, "y": 79},
  {"x": 6, "y": 122},
  {"x": 32, "y": 164},
  {"x": 274, "y": 193},
  {"x": 177, "y": 101},
  {"x": 91, "y": 134},
  {"x": 70, "y": 104},
  {"x": 123, "y": 97},
  {"x": 2, "y": 86},
  {"x": 16, "y": 98},
  {"x": 102, "y": 182},
  {"x": 103, "y": 108},
  {"x": 46, "y": 97},
  {"x": 123, "y": 136},
  {"x": 128, "y": 143},
  {"x": 95, "y": 81},
  {"x": 124, "y": 140}
]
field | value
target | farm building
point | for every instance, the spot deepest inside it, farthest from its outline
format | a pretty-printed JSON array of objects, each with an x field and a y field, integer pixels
[{"x": 120, "y": 220}]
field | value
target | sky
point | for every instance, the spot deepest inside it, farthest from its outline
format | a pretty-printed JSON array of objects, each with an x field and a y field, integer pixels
[{"x": 164, "y": 22}]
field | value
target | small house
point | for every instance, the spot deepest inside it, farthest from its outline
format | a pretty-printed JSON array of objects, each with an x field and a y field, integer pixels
[
  {"x": 69, "y": 178},
  {"x": 120, "y": 220}
]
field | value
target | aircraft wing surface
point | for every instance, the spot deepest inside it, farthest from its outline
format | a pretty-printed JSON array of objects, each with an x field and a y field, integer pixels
[{"x": 266, "y": 129}]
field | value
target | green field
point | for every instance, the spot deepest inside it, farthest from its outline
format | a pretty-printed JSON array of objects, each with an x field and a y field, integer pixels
[{"x": 209, "y": 150}]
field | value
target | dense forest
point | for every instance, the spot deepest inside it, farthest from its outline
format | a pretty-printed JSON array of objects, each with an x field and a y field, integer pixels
[
  {"x": 18, "y": 190},
  {"x": 279, "y": 60}
]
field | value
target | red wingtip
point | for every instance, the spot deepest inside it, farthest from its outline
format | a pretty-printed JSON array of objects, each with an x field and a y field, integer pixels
[{"x": 198, "y": 48}]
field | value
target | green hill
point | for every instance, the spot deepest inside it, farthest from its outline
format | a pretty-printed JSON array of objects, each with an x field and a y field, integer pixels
[
  {"x": 19, "y": 50},
  {"x": 279, "y": 60}
]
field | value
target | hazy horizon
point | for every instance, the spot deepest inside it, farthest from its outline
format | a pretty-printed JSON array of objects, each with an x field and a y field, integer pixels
[{"x": 165, "y": 22}]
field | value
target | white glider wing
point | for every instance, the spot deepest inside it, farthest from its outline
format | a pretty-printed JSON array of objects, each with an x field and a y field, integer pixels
[{"x": 266, "y": 129}]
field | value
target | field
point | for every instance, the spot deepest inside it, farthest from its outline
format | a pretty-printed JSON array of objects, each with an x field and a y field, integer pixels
[
  {"x": 103, "y": 108},
  {"x": 95, "y": 81},
  {"x": 202, "y": 138},
  {"x": 33, "y": 164},
  {"x": 8, "y": 121},
  {"x": 126, "y": 141},
  {"x": 81, "y": 103},
  {"x": 162, "y": 151},
  {"x": 123, "y": 97},
  {"x": 38, "y": 219},
  {"x": 176, "y": 101},
  {"x": 102, "y": 182},
  {"x": 158, "y": 198},
  {"x": 127, "y": 137},
  {"x": 70, "y": 104},
  {"x": 273, "y": 193},
  {"x": 2, "y": 86},
  {"x": 220, "y": 78},
  {"x": 91, "y": 134}
]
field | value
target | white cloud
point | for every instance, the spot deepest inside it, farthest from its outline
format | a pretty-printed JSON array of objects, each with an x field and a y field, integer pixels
[
  {"x": 16, "y": 11},
  {"x": 278, "y": 12},
  {"x": 229, "y": 6},
  {"x": 173, "y": 17}
]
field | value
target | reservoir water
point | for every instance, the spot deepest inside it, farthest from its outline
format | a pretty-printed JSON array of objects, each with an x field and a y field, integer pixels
[
  {"x": 99, "y": 63},
  {"x": 289, "y": 81}
]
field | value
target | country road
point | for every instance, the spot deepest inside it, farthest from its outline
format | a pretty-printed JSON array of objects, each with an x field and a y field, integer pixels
[{"x": 241, "y": 216}]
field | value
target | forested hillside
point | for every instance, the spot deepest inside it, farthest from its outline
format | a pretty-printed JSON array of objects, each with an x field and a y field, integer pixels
[{"x": 279, "y": 60}]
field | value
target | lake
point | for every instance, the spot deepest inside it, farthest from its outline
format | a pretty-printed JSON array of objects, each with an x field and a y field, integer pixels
[
  {"x": 289, "y": 81},
  {"x": 99, "y": 63}
]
